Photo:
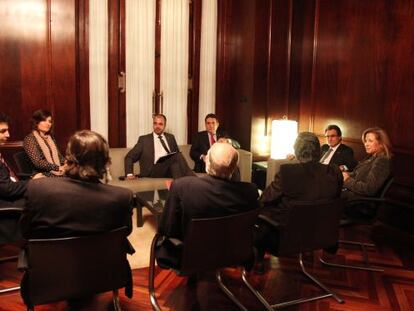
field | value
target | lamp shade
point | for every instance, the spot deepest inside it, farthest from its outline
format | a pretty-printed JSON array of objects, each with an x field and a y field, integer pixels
[{"x": 284, "y": 133}]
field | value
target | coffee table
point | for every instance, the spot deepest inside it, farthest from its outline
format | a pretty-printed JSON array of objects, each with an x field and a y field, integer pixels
[{"x": 153, "y": 200}]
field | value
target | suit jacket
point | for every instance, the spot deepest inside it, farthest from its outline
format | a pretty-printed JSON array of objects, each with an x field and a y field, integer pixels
[
  {"x": 143, "y": 152},
  {"x": 368, "y": 177},
  {"x": 301, "y": 181},
  {"x": 59, "y": 207},
  {"x": 343, "y": 155},
  {"x": 200, "y": 146},
  {"x": 10, "y": 192},
  {"x": 204, "y": 197}
]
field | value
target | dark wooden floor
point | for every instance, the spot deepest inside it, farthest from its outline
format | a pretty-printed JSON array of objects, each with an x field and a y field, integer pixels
[{"x": 390, "y": 290}]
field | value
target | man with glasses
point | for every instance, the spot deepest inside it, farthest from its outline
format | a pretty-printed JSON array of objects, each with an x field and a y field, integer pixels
[{"x": 335, "y": 152}]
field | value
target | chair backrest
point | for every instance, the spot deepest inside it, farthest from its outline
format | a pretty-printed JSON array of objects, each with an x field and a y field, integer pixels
[
  {"x": 9, "y": 224},
  {"x": 387, "y": 185},
  {"x": 23, "y": 162},
  {"x": 310, "y": 225},
  {"x": 65, "y": 268},
  {"x": 218, "y": 242}
]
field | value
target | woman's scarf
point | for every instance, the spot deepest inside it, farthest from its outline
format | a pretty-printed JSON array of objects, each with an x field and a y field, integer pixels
[{"x": 48, "y": 147}]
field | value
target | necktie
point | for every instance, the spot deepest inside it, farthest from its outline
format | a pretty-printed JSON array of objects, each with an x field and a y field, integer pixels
[
  {"x": 12, "y": 174},
  {"x": 212, "y": 140},
  {"x": 164, "y": 145},
  {"x": 327, "y": 153}
]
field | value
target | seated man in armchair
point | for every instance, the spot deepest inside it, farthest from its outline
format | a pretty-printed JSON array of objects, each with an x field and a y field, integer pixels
[
  {"x": 213, "y": 195},
  {"x": 307, "y": 180}
]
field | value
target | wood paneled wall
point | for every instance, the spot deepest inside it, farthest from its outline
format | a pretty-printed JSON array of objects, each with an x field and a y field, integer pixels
[
  {"x": 347, "y": 62},
  {"x": 42, "y": 57}
]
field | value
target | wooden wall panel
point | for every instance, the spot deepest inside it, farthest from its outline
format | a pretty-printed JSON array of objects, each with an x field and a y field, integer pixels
[
  {"x": 62, "y": 51},
  {"x": 235, "y": 67},
  {"x": 362, "y": 73},
  {"x": 116, "y": 65},
  {"x": 40, "y": 56}
]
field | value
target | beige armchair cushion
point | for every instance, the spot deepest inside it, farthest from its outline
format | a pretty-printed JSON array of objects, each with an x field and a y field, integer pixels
[{"x": 145, "y": 184}]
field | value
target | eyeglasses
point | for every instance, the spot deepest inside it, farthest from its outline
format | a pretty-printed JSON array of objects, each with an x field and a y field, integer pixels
[{"x": 2, "y": 131}]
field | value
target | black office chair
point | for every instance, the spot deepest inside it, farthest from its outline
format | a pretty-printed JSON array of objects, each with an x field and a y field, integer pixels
[
  {"x": 24, "y": 165},
  {"x": 310, "y": 225},
  {"x": 75, "y": 267},
  {"x": 370, "y": 207},
  {"x": 8, "y": 221},
  {"x": 211, "y": 244}
]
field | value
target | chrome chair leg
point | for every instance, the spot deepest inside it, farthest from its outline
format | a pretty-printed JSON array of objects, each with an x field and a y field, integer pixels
[
  {"x": 228, "y": 292},
  {"x": 9, "y": 289},
  {"x": 366, "y": 267},
  {"x": 115, "y": 299},
  {"x": 151, "y": 277},
  {"x": 255, "y": 292},
  {"x": 319, "y": 283},
  {"x": 329, "y": 293},
  {"x": 4, "y": 259}
]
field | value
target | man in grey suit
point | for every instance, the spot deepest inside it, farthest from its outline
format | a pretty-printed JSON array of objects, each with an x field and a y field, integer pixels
[{"x": 157, "y": 153}]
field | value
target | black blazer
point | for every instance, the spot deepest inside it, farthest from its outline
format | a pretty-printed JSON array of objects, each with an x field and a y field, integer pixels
[
  {"x": 200, "y": 146},
  {"x": 144, "y": 152},
  {"x": 301, "y": 181},
  {"x": 368, "y": 177},
  {"x": 343, "y": 155},
  {"x": 10, "y": 191},
  {"x": 204, "y": 197},
  {"x": 59, "y": 207}
]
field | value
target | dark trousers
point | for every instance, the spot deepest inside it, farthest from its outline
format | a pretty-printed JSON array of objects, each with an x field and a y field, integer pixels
[{"x": 175, "y": 167}]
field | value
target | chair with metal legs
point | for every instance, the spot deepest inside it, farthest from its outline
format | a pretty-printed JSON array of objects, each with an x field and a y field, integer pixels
[
  {"x": 310, "y": 225},
  {"x": 372, "y": 204},
  {"x": 210, "y": 245},
  {"x": 9, "y": 222}
]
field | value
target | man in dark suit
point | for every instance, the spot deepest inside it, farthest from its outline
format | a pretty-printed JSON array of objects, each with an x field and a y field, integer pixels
[
  {"x": 150, "y": 148},
  {"x": 335, "y": 152},
  {"x": 78, "y": 204},
  {"x": 11, "y": 190},
  {"x": 305, "y": 181},
  {"x": 213, "y": 195},
  {"x": 203, "y": 141}
]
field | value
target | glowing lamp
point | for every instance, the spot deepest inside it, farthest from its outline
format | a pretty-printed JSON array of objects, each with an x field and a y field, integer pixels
[{"x": 284, "y": 133}]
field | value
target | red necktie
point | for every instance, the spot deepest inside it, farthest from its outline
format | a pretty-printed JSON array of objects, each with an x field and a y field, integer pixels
[
  {"x": 212, "y": 140},
  {"x": 12, "y": 174}
]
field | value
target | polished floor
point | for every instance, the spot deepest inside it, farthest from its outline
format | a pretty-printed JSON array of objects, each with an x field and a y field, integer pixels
[{"x": 392, "y": 289}]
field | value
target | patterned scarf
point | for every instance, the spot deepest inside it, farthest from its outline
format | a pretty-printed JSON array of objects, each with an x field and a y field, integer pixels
[{"x": 48, "y": 147}]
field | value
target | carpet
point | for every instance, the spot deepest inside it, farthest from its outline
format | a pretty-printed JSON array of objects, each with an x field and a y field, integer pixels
[{"x": 141, "y": 238}]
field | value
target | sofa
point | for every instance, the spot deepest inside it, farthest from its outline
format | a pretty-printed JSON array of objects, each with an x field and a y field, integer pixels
[{"x": 146, "y": 183}]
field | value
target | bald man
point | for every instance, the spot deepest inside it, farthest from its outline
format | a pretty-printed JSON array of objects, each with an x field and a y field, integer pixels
[{"x": 209, "y": 196}]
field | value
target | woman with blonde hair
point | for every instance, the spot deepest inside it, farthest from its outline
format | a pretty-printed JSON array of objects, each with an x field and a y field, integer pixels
[{"x": 370, "y": 175}]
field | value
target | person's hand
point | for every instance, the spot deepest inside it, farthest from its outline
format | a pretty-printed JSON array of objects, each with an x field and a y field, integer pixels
[
  {"x": 345, "y": 175},
  {"x": 131, "y": 177},
  {"x": 62, "y": 169},
  {"x": 38, "y": 175},
  {"x": 290, "y": 157}
]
